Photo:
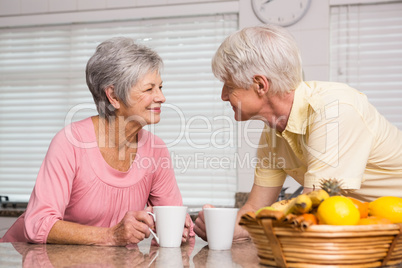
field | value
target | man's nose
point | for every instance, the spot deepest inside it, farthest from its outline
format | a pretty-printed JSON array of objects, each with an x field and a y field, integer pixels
[{"x": 224, "y": 95}]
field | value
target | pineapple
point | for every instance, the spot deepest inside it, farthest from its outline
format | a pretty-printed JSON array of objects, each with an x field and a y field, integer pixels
[{"x": 331, "y": 186}]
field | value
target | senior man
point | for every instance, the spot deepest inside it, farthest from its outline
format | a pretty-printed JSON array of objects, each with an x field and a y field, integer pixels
[{"x": 313, "y": 130}]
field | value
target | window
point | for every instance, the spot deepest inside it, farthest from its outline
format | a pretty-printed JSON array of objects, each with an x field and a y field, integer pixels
[
  {"x": 42, "y": 88},
  {"x": 366, "y": 53}
]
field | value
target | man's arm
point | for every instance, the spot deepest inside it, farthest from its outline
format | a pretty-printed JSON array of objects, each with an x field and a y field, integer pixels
[{"x": 259, "y": 197}]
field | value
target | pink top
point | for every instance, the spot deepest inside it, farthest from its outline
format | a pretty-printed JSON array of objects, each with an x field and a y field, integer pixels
[{"x": 76, "y": 184}]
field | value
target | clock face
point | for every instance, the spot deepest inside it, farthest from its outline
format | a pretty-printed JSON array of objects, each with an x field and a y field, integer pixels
[{"x": 280, "y": 12}]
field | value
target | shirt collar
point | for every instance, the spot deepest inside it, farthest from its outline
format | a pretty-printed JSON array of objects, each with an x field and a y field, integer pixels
[{"x": 299, "y": 112}]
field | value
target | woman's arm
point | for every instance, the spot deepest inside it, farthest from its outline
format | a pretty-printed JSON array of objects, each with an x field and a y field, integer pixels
[
  {"x": 132, "y": 229},
  {"x": 164, "y": 188}
]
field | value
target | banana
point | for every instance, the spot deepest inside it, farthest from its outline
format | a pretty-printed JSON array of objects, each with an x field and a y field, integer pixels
[
  {"x": 317, "y": 197},
  {"x": 297, "y": 205},
  {"x": 303, "y": 204},
  {"x": 264, "y": 208},
  {"x": 284, "y": 205},
  {"x": 290, "y": 206}
]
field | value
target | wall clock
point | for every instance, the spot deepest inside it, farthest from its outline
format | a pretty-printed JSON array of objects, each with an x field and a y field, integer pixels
[{"x": 280, "y": 12}]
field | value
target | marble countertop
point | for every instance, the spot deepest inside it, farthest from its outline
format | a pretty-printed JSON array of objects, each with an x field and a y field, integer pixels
[{"x": 194, "y": 253}]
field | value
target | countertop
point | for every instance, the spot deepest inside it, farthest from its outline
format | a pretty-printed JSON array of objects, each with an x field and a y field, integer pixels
[{"x": 194, "y": 253}]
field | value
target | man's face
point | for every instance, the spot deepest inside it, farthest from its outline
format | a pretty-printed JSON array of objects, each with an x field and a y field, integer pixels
[{"x": 245, "y": 102}]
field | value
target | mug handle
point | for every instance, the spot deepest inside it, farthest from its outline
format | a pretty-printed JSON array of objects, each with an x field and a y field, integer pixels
[{"x": 152, "y": 232}]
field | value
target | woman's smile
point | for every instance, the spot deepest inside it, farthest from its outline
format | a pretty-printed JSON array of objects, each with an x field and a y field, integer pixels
[{"x": 155, "y": 109}]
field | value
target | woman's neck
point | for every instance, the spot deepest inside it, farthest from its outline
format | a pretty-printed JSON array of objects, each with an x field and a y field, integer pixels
[{"x": 115, "y": 132}]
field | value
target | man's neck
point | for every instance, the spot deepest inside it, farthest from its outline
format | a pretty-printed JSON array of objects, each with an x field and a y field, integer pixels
[{"x": 278, "y": 109}]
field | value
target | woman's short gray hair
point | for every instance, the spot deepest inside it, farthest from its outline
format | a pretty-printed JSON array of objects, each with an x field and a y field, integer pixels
[
  {"x": 118, "y": 62},
  {"x": 264, "y": 50}
]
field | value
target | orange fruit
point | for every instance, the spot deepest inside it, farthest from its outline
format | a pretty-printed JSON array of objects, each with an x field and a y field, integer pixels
[
  {"x": 361, "y": 206},
  {"x": 338, "y": 210},
  {"x": 373, "y": 220},
  {"x": 310, "y": 218},
  {"x": 389, "y": 207}
]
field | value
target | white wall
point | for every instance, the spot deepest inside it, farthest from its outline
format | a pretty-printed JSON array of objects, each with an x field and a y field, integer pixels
[{"x": 311, "y": 33}]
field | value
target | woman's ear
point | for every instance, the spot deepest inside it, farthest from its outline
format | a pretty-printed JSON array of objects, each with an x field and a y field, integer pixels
[
  {"x": 109, "y": 91},
  {"x": 262, "y": 84}
]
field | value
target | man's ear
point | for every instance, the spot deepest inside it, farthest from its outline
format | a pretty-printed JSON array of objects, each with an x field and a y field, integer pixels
[
  {"x": 109, "y": 91},
  {"x": 262, "y": 84}
]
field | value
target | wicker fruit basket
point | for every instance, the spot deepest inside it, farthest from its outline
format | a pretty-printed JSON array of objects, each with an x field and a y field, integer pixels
[{"x": 279, "y": 244}]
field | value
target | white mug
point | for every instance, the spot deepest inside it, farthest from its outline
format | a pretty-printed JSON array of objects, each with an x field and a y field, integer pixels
[
  {"x": 220, "y": 224},
  {"x": 169, "y": 221}
]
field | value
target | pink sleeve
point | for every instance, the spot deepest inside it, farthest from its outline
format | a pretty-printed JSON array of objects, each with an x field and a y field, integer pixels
[
  {"x": 164, "y": 190},
  {"x": 52, "y": 190}
]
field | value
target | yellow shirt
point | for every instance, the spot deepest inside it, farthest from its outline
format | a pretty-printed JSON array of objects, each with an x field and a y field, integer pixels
[{"x": 333, "y": 132}]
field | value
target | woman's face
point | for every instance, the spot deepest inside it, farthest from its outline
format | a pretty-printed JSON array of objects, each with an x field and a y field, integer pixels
[
  {"x": 145, "y": 100},
  {"x": 245, "y": 102}
]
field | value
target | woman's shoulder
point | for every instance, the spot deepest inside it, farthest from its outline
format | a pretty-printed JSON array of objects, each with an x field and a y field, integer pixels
[{"x": 78, "y": 133}]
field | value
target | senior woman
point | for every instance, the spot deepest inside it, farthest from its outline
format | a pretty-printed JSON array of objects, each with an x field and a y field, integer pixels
[
  {"x": 313, "y": 130},
  {"x": 94, "y": 187}
]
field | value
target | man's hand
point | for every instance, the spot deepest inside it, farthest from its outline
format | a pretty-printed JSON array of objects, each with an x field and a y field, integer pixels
[
  {"x": 199, "y": 227},
  {"x": 200, "y": 230},
  {"x": 258, "y": 198}
]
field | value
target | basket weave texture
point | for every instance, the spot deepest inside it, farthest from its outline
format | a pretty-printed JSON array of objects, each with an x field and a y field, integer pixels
[{"x": 282, "y": 245}]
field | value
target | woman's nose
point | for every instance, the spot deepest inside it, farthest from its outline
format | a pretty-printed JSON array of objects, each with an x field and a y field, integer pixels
[{"x": 160, "y": 97}]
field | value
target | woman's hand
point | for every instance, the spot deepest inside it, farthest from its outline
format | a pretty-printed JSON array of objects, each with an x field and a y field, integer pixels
[
  {"x": 133, "y": 228},
  {"x": 188, "y": 229}
]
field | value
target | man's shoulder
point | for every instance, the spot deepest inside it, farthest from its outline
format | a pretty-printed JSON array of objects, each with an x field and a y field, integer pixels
[
  {"x": 320, "y": 94},
  {"x": 322, "y": 88}
]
